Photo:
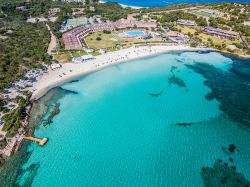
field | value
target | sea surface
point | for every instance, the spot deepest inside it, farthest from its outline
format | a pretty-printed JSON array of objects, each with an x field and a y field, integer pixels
[
  {"x": 158, "y": 3},
  {"x": 144, "y": 123}
]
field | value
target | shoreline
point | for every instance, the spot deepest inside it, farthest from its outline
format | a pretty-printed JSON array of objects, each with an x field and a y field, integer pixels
[
  {"x": 125, "y": 6},
  {"x": 71, "y": 71},
  {"x": 232, "y": 54}
]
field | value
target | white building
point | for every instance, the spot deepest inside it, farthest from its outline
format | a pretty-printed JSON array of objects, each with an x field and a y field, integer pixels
[
  {"x": 79, "y": 60},
  {"x": 186, "y": 22},
  {"x": 54, "y": 11},
  {"x": 102, "y": 51},
  {"x": 55, "y": 66},
  {"x": 77, "y": 1},
  {"x": 88, "y": 50},
  {"x": 209, "y": 12}
]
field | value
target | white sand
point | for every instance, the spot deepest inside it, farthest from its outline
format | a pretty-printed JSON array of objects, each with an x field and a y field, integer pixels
[
  {"x": 125, "y": 6},
  {"x": 71, "y": 71}
]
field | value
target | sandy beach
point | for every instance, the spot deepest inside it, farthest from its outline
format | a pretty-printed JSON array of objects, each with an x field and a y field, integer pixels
[
  {"x": 125, "y": 6},
  {"x": 71, "y": 71}
]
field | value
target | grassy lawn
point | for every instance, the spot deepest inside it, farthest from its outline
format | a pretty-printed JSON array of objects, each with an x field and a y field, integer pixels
[
  {"x": 185, "y": 30},
  {"x": 62, "y": 57},
  {"x": 107, "y": 40},
  {"x": 217, "y": 40},
  {"x": 110, "y": 40},
  {"x": 78, "y": 53},
  {"x": 204, "y": 37}
]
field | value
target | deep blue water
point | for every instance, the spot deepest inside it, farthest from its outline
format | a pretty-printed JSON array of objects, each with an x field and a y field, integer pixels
[
  {"x": 156, "y": 3},
  {"x": 121, "y": 129}
]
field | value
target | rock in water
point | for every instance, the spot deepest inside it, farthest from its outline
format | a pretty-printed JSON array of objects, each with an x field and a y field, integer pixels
[
  {"x": 177, "y": 81},
  {"x": 156, "y": 94},
  {"x": 221, "y": 175}
]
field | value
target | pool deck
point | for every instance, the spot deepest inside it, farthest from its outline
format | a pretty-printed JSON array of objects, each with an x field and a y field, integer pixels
[{"x": 132, "y": 33}]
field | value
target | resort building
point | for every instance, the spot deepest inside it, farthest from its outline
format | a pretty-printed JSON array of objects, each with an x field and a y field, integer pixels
[
  {"x": 52, "y": 19},
  {"x": 78, "y": 12},
  {"x": 208, "y": 12},
  {"x": 221, "y": 33},
  {"x": 54, "y": 11},
  {"x": 92, "y": 9},
  {"x": 76, "y": 1},
  {"x": 185, "y": 22},
  {"x": 55, "y": 66},
  {"x": 88, "y": 50},
  {"x": 22, "y": 8},
  {"x": 175, "y": 37},
  {"x": 73, "y": 38},
  {"x": 102, "y": 51},
  {"x": 36, "y": 19},
  {"x": 82, "y": 59}
]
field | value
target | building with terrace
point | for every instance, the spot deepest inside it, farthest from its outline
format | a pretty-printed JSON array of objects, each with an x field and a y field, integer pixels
[
  {"x": 208, "y": 12},
  {"x": 73, "y": 38},
  {"x": 221, "y": 33},
  {"x": 185, "y": 22}
]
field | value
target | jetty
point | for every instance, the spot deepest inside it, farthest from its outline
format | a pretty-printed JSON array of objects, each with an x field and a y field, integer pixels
[{"x": 40, "y": 141}]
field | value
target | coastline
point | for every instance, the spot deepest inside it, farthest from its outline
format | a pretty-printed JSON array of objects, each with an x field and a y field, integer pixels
[
  {"x": 71, "y": 71},
  {"x": 125, "y": 6},
  {"x": 232, "y": 54}
]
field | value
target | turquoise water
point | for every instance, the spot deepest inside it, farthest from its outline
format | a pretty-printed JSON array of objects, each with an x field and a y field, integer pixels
[
  {"x": 158, "y": 3},
  {"x": 121, "y": 128},
  {"x": 135, "y": 33},
  {"x": 132, "y": 33}
]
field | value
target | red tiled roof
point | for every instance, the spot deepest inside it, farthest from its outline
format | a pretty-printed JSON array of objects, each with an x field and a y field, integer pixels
[{"x": 72, "y": 39}]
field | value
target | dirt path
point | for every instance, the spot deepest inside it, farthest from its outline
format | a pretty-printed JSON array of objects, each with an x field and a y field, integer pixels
[{"x": 53, "y": 41}]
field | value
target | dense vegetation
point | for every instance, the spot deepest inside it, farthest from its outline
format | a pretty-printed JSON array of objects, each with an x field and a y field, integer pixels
[
  {"x": 112, "y": 11},
  {"x": 24, "y": 44},
  {"x": 238, "y": 13},
  {"x": 174, "y": 16},
  {"x": 25, "y": 47},
  {"x": 13, "y": 121},
  {"x": 166, "y": 8}
]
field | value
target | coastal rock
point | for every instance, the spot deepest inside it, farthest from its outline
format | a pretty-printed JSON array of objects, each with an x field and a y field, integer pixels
[
  {"x": 55, "y": 111},
  {"x": 227, "y": 88},
  {"x": 221, "y": 175},
  {"x": 231, "y": 159},
  {"x": 241, "y": 68},
  {"x": 229, "y": 150},
  {"x": 173, "y": 68},
  {"x": 2, "y": 160},
  {"x": 185, "y": 124},
  {"x": 156, "y": 94},
  {"x": 219, "y": 160},
  {"x": 177, "y": 81}
]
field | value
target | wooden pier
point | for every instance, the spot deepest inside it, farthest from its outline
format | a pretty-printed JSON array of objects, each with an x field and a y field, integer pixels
[{"x": 40, "y": 141}]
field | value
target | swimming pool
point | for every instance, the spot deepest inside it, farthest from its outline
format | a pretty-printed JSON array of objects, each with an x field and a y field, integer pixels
[{"x": 132, "y": 34}]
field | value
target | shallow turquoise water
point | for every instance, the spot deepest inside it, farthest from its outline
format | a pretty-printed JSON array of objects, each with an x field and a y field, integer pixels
[
  {"x": 114, "y": 133},
  {"x": 132, "y": 33},
  {"x": 158, "y": 3}
]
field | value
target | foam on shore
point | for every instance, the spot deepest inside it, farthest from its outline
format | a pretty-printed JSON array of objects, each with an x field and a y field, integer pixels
[
  {"x": 70, "y": 71},
  {"x": 125, "y": 6}
]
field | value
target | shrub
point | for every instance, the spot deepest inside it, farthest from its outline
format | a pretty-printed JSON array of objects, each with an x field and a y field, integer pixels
[
  {"x": 98, "y": 38},
  {"x": 106, "y": 32}
]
